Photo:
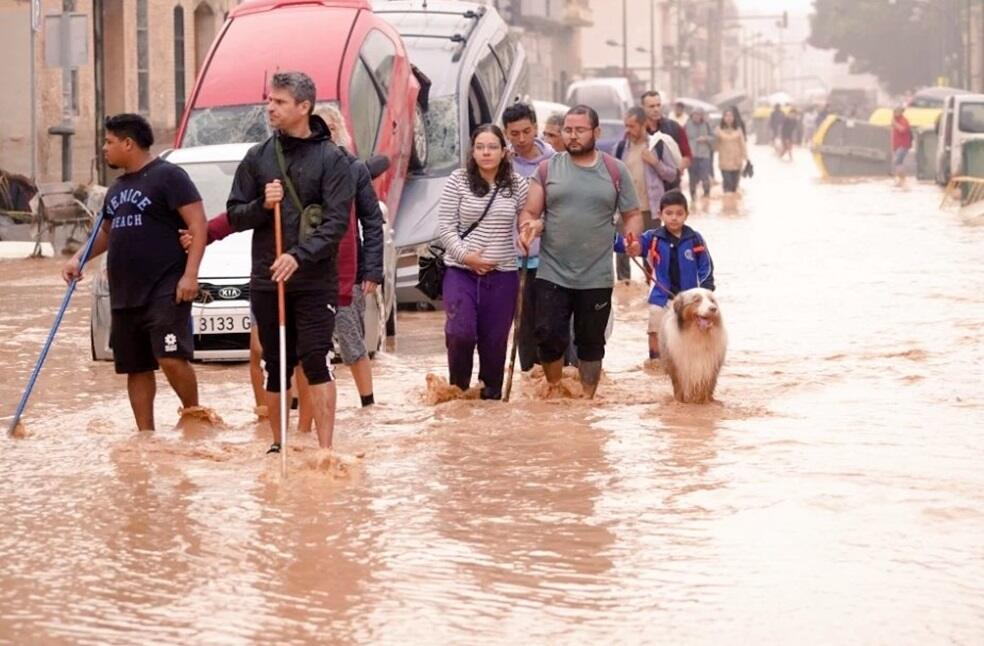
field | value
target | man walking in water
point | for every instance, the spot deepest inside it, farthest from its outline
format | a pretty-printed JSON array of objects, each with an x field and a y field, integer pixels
[
  {"x": 570, "y": 204},
  {"x": 151, "y": 280},
  {"x": 301, "y": 157}
]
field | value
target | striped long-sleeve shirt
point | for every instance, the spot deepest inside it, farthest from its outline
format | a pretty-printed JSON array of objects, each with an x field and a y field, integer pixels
[{"x": 495, "y": 237}]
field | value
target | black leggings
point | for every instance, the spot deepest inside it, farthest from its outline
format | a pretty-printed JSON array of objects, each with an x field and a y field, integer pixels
[{"x": 730, "y": 180}]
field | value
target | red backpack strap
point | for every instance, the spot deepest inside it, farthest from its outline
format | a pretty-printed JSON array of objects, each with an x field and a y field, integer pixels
[{"x": 612, "y": 167}]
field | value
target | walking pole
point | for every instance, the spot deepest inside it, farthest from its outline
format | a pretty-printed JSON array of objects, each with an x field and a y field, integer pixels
[
  {"x": 517, "y": 322},
  {"x": 54, "y": 328},
  {"x": 282, "y": 330}
]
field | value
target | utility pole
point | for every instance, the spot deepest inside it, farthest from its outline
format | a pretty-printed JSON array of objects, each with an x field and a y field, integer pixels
[
  {"x": 678, "y": 54},
  {"x": 652, "y": 44},
  {"x": 625, "y": 39}
]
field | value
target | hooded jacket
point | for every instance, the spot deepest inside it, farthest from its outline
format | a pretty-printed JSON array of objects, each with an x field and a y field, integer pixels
[
  {"x": 693, "y": 264},
  {"x": 660, "y": 177},
  {"x": 321, "y": 174},
  {"x": 360, "y": 254}
]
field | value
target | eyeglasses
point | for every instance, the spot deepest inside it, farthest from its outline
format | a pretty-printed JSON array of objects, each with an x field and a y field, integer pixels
[
  {"x": 492, "y": 148},
  {"x": 577, "y": 131}
]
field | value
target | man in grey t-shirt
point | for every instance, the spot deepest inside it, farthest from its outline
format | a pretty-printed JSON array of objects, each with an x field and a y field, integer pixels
[{"x": 576, "y": 275}]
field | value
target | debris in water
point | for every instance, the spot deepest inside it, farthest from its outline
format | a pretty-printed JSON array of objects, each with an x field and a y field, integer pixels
[
  {"x": 337, "y": 465},
  {"x": 440, "y": 391},
  {"x": 199, "y": 417},
  {"x": 569, "y": 386}
]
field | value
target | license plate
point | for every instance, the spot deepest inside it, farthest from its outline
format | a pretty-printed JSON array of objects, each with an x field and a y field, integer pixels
[{"x": 222, "y": 323}]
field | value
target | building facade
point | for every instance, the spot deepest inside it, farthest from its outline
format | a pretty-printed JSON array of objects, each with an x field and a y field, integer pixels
[
  {"x": 549, "y": 31},
  {"x": 141, "y": 56}
]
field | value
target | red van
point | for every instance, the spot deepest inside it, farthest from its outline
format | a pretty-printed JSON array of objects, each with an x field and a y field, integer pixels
[{"x": 357, "y": 62}]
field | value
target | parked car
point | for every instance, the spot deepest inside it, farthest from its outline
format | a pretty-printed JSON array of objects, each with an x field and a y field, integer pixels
[
  {"x": 612, "y": 132},
  {"x": 962, "y": 121},
  {"x": 544, "y": 109},
  {"x": 610, "y": 97},
  {"x": 357, "y": 61},
  {"x": 476, "y": 69},
  {"x": 221, "y": 315}
]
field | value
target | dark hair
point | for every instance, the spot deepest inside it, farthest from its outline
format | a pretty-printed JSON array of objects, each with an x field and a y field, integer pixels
[
  {"x": 555, "y": 119},
  {"x": 739, "y": 124},
  {"x": 503, "y": 176},
  {"x": 131, "y": 126},
  {"x": 646, "y": 95},
  {"x": 299, "y": 85},
  {"x": 586, "y": 110},
  {"x": 518, "y": 112},
  {"x": 636, "y": 113},
  {"x": 673, "y": 198}
]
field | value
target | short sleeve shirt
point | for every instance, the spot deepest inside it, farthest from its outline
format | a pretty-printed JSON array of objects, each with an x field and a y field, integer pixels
[
  {"x": 576, "y": 247},
  {"x": 145, "y": 259}
]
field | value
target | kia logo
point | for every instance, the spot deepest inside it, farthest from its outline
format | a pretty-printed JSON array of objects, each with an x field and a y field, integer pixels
[{"x": 230, "y": 293}]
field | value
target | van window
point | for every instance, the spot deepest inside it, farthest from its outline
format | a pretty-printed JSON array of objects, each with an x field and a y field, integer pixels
[
  {"x": 367, "y": 109},
  {"x": 491, "y": 78},
  {"x": 972, "y": 117},
  {"x": 379, "y": 53},
  {"x": 505, "y": 49},
  {"x": 231, "y": 124}
]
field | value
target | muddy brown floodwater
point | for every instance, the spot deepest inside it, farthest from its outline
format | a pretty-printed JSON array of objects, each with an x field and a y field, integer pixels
[{"x": 834, "y": 496}]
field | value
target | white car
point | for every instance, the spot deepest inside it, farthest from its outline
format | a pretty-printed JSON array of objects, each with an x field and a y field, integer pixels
[{"x": 221, "y": 315}]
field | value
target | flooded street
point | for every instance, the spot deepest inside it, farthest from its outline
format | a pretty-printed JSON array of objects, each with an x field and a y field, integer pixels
[{"x": 835, "y": 496}]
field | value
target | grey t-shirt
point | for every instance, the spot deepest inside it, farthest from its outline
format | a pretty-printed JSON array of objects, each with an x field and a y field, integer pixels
[{"x": 576, "y": 248}]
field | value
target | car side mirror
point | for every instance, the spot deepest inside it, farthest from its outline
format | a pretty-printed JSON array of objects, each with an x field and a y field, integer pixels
[{"x": 377, "y": 164}]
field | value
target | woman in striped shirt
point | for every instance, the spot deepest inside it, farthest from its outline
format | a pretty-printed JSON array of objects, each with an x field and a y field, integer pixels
[{"x": 481, "y": 281}]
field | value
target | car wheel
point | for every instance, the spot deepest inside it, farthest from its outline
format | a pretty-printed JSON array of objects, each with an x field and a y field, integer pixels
[{"x": 418, "y": 151}]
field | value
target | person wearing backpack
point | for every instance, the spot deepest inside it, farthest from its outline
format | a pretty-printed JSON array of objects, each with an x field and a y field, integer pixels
[
  {"x": 570, "y": 205},
  {"x": 477, "y": 218},
  {"x": 310, "y": 177},
  {"x": 701, "y": 136},
  {"x": 651, "y": 169}
]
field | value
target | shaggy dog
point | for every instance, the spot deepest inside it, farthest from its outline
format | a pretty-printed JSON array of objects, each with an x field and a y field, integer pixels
[{"x": 692, "y": 345}]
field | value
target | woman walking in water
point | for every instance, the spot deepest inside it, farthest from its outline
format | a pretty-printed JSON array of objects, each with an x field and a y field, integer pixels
[
  {"x": 729, "y": 141},
  {"x": 478, "y": 213}
]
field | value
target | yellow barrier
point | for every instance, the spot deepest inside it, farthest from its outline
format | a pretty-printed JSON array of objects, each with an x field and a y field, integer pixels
[{"x": 917, "y": 117}]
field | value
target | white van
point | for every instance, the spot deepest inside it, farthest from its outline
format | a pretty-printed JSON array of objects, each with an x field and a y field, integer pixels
[
  {"x": 610, "y": 97},
  {"x": 962, "y": 120}
]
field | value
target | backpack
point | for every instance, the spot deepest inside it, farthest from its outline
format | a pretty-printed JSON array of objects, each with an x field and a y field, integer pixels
[
  {"x": 610, "y": 165},
  {"x": 620, "y": 149}
]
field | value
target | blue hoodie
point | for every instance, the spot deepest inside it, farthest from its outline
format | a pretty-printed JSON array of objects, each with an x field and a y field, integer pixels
[
  {"x": 694, "y": 267},
  {"x": 527, "y": 168}
]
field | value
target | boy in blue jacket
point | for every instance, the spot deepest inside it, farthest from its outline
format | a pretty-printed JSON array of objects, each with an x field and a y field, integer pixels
[{"x": 676, "y": 258}]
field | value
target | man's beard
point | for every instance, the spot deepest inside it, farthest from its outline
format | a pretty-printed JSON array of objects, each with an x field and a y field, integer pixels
[{"x": 585, "y": 149}]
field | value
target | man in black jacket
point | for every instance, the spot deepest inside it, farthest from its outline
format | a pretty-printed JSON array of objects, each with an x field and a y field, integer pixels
[{"x": 318, "y": 173}]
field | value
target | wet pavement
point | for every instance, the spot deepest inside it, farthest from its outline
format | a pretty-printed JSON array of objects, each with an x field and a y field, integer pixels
[{"x": 834, "y": 495}]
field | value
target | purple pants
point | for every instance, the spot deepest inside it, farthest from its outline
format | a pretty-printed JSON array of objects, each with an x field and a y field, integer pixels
[{"x": 479, "y": 311}]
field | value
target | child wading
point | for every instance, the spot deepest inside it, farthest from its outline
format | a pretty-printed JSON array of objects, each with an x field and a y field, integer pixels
[{"x": 675, "y": 255}]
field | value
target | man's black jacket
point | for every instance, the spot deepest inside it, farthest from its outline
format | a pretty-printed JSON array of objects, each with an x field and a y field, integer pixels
[{"x": 321, "y": 174}]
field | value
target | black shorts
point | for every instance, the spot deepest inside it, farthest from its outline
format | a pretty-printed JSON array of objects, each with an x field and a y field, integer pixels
[
  {"x": 140, "y": 336},
  {"x": 310, "y": 322},
  {"x": 554, "y": 307}
]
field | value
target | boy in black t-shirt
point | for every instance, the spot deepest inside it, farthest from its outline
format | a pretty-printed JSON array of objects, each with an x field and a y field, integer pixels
[{"x": 151, "y": 280}]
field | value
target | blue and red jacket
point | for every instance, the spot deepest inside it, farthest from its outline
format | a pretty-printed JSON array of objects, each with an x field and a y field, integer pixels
[{"x": 676, "y": 265}]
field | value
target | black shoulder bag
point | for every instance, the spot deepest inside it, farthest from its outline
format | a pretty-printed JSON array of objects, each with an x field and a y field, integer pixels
[{"x": 431, "y": 268}]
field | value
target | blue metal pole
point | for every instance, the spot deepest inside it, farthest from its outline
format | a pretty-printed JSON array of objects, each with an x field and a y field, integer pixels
[{"x": 54, "y": 328}]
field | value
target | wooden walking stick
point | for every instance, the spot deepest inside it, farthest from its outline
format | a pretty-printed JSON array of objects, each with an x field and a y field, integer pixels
[{"x": 516, "y": 323}]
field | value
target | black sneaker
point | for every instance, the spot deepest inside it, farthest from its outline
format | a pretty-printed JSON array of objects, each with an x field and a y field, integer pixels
[{"x": 274, "y": 448}]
